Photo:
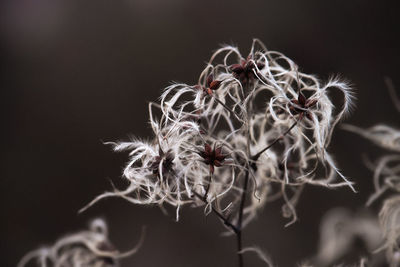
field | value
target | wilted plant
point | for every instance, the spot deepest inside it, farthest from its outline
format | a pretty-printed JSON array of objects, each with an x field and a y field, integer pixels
[
  {"x": 254, "y": 129},
  {"x": 339, "y": 232},
  {"x": 90, "y": 248},
  {"x": 386, "y": 179}
]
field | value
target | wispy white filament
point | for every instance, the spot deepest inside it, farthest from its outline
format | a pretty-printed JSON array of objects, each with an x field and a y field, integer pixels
[{"x": 90, "y": 248}]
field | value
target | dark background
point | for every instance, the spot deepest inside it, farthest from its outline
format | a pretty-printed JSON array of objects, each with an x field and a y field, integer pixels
[{"x": 75, "y": 73}]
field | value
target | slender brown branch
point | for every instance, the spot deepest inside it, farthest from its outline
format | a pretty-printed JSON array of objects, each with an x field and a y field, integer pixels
[
  {"x": 244, "y": 194},
  {"x": 239, "y": 248},
  {"x": 240, "y": 219},
  {"x": 219, "y": 214},
  {"x": 227, "y": 108},
  {"x": 243, "y": 200},
  {"x": 256, "y": 156}
]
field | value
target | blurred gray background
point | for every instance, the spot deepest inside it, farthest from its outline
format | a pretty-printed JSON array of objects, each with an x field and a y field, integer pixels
[{"x": 75, "y": 73}]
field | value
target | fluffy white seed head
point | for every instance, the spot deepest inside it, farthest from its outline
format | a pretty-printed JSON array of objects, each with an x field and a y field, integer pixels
[
  {"x": 389, "y": 218},
  {"x": 89, "y": 248},
  {"x": 338, "y": 231}
]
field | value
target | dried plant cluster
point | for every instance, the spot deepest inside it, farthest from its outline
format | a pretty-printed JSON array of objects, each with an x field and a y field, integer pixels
[
  {"x": 85, "y": 248},
  {"x": 254, "y": 129},
  {"x": 344, "y": 233},
  {"x": 386, "y": 180},
  {"x": 211, "y": 136}
]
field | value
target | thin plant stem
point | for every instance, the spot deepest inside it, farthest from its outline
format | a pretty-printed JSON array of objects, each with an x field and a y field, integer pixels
[
  {"x": 240, "y": 219},
  {"x": 219, "y": 214},
  {"x": 243, "y": 199},
  {"x": 256, "y": 156},
  {"x": 244, "y": 194},
  {"x": 227, "y": 108},
  {"x": 237, "y": 229}
]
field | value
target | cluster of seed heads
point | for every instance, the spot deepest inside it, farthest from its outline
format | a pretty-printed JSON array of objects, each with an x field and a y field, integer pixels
[
  {"x": 252, "y": 130},
  {"x": 256, "y": 116},
  {"x": 85, "y": 248},
  {"x": 386, "y": 180}
]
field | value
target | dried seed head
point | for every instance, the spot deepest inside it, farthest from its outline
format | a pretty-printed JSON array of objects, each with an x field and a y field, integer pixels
[
  {"x": 302, "y": 105},
  {"x": 89, "y": 248},
  {"x": 244, "y": 71},
  {"x": 212, "y": 157},
  {"x": 166, "y": 160}
]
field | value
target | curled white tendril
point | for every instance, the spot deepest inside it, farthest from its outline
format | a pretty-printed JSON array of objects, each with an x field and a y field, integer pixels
[
  {"x": 386, "y": 179},
  {"x": 338, "y": 231},
  {"x": 89, "y": 248}
]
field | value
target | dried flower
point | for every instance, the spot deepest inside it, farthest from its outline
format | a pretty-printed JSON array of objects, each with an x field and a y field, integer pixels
[
  {"x": 269, "y": 153},
  {"x": 338, "y": 231},
  {"x": 389, "y": 218},
  {"x": 386, "y": 178},
  {"x": 89, "y": 248},
  {"x": 163, "y": 163},
  {"x": 245, "y": 70},
  {"x": 301, "y": 106},
  {"x": 212, "y": 157}
]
